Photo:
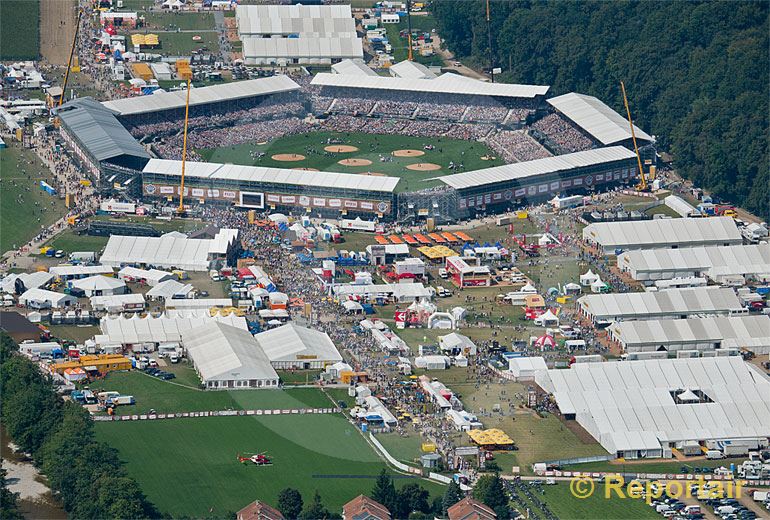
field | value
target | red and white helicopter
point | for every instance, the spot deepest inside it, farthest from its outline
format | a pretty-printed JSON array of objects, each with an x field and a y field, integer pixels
[{"x": 258, "y": 459}]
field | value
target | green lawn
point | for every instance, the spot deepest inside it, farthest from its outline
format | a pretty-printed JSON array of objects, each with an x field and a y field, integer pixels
[
  {"x": 69, "y": 241},
  {"x": 188, "y": 466},
  {"x": 564, "y": 505},
  {"x": 182, "y": 44},
  {"x": 400, "y": 45},
  {"x": 167, "y": 397},
  {"x": 405, "y": 449},
  {"x": 371, "y": 147},
  {"x": 20, "y": 218},
  {"x": 298, "y": 377},
  {"x": 19, "y": 30},
  {"x": 74, "y": 333},
  {"x": 166, "y": 21}
]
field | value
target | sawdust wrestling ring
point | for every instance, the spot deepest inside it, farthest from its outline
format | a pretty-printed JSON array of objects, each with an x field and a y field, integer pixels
[
  {"x": 341, "y": 148},
  {"x": 288, "y": 157},
  {"x": 355, "y": 162},
  {"x": 423, "y": 167},
  {"x": 408, "y": 153}
]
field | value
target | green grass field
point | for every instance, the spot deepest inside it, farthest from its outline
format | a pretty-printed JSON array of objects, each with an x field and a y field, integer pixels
[
  {"x": 564, "y": 505},
  {"x": 20, "y": 189},
  {"x": 654, "y": 466},
  {"x": 188, "y": 467},
  {"x": 19, "y": 30},
  {"x": 184, "y": 21},
  {"x": 371, "y": 146},
  {"x": 166, "y": 396},
  {"x": 182, "y": 44}
]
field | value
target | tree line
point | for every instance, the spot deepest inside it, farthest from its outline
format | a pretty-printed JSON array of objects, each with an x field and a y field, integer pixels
[
  {"x": 86, "y": 475},
  {"x": 696, "y": 73}
]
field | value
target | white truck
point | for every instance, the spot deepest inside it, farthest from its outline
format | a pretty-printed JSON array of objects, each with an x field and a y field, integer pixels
[
  {"x": 715, "y": 454},
  {"x": 123, "y": 400}
]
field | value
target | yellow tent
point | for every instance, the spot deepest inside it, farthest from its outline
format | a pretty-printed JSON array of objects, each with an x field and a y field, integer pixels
[{"x": 491, "y": 437}]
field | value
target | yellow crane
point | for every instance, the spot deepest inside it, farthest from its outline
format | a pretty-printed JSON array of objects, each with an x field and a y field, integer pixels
[
  {"x": 180, "y": 209},
  {"x": 643, "y": 186},
  {"x": 69, "y": 61}
]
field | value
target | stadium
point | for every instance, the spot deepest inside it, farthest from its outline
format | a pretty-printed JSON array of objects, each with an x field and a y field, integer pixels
[{"x": 404, "y": 147}]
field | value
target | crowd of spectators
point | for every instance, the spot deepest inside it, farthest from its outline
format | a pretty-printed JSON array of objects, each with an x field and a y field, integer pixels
[
  {"x": 516, "y": 146},
  {"x": 562, "y": 134}
]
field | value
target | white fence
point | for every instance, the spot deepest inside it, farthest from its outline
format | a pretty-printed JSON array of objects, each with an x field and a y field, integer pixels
[{"x": 215, "y": 413}]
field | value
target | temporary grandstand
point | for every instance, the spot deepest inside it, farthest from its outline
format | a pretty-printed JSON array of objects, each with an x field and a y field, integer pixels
[
  {"x": 411, "y": 70},
  {"x": 445, "y": 84},
  {"x": 228, "y": 357},
  {"x": 97, "y": 137},
  {"x": 297, "y": 34},
  {"x": 597, "y": 119},
  {"x": 721, "y": 264},
  {"x": 541, "y": 178},
  {"x": 261, "y": 187},
  {"x": 202, "y": 96},
  {"x": 354, "y": 67},
  {"x": 170, "y": 251},
  {"x": 643, "y": 409},
  {"x": 611, "y": 237},
  {"x": 670, "y": 304},
  {"x": 742, "y": 332},
  {"x": 293, "y": 347}
]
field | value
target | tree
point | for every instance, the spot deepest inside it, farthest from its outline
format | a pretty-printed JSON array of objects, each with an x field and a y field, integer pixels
[
  {"x": 497, "y": 498},
  {"x": 290, "y": 503},
  {"x": 8, "y": 507},
  {"x": 316, "y": 510},
  {"x": 480, "y": 488},
  {"x": 452, "y": 495},
  {"x": 411, "y": 498},
  {"x": 384, "y": 491}
]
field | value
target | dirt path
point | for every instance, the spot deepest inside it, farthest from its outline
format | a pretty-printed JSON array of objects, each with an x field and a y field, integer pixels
[{"x": 57, "y": 28}]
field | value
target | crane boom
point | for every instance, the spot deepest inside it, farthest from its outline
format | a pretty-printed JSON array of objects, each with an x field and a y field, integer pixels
[
  {"x": 72, "y": 53},
  {"x": 643, "y": 179},
  {"x": 180, "y": 209}
]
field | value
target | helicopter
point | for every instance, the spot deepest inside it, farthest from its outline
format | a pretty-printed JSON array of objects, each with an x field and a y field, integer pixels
[{"x": 259, "y": 459}]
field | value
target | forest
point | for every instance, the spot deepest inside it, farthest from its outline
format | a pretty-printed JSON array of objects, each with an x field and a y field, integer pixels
[{"x": 696, "y": 73}]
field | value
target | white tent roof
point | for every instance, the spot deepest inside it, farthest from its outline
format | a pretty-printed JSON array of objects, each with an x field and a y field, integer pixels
[
  {"x": 624, "y": 404},
  {"x": 352, "y": 306},
  {"x": 222, "y": 352},
  {"x": 663, "y": 233},
  {"x": 123, "y": 330},
  {"x": 455, "y": 340},
  {"x": 31, "y": 280},
  {"x": 337, "y": 46},
  {"x": 596, "y": 118},
  {"x": 537, "y": 167},
  {"x": 202, "y": 95},
  {"x": 518, "y": 365},
  {"x": 687, "y": 395},
  {"x": 411, "y": 69},
  {"x": 98, "y": 283},
  {"x": 717, "y": 260},
  {"x": 79, "y": 270},
  {"x": 237, "y": 173},
  {"x": 670, "y": 303},
  {"x": 294, "y": 19},
  {"x": 116, "y": 300},
  {"x": 168, "y": 289},
  {"x": 353, "y": 67},
  {"x": 289, "y": 341},
  {"x": 41, "y": 295},
  {"x": 730, "y": 331},
  {"x": 445, "y": 84},
  {"x": 198, "y": 303},
  {"x": 151, "y": 275}
]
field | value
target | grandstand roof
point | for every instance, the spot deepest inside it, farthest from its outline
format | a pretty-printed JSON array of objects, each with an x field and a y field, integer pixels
[
  {"x": 661, "y": 233},
  {"x": 713, "y": 260},
  {"x": 294, "y": 19},
  {"x": 273, "y": 175},
  {"x": 672, "y": 303},
  {"x": 629, "y": 405},
  {"x": 353, "y": 67},
  {"x": 509, "y": 172},
  {"x": 730, "y": 331},
  {"x": 202, "y": 95},
  {"x": 311, "y": 46},
  {"x": 596, "y": 118},
  {"x": 411, "y": 69},
  {"x": 98, "y": 130},
  {"x": 445, "y": 84}
]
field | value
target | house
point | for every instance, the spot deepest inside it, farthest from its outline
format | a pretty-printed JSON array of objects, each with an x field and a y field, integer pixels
[
  {"x": 470, "y": 509},
  {"x": 18, "y": 327},
  {"x": 364, "y": 508},
  {"x": 258, "y": 510}
]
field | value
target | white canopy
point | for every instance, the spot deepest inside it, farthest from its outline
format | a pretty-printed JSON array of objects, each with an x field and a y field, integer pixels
[{"x": 588, "y": 278}]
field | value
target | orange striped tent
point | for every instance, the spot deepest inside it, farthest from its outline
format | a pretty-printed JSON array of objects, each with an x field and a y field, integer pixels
[
  {"x": 437, "y": 238},
  {"x": 409, "y": 239},
  {"x": 450, "y": 237},
  {"x": 395, "y": 239},
  {"x": 422, "y": 239},
  {"x": 463, "y": 236},
  {"x": 381, "y": 240}
]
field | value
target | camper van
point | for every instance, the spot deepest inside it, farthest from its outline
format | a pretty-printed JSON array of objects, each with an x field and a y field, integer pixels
[{"x": 715, "y": 454}]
